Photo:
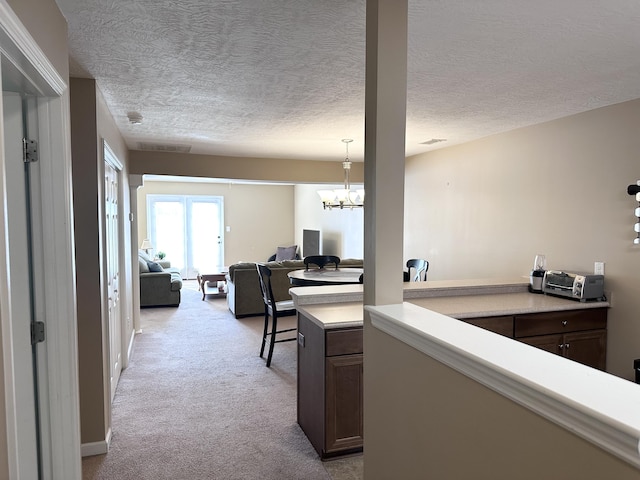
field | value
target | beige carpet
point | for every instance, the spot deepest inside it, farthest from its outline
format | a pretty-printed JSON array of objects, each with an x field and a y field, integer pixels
[{"x": 197, "y": 402}]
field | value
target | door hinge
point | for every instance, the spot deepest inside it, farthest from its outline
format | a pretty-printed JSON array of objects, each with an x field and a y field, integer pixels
[
  {"x": 37, "y": 332},
  {"x": 29, "y": 150}
]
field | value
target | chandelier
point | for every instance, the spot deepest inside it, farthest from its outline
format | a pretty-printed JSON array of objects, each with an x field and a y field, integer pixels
[{"x": 343, "y": 197}]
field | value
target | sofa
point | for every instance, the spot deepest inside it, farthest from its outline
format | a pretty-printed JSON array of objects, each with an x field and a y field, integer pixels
[
  {"x": 244, "y": 297},
  {"x": 160, "y": 284}
]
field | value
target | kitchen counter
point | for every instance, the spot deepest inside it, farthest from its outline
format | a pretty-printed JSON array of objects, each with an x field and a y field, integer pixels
[
  {"x": 330, "y": 347},
  {"x": 438, "y": 288},
  {"x": 490, "y": 305},
  {"x": 339, "y": 307}
]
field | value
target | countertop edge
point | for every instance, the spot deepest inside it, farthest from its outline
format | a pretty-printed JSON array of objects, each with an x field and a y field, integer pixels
[{"x": 305, "y": 310}]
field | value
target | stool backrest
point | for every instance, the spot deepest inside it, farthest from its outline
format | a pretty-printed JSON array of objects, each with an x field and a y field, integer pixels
[{"x": 321, "y": 260}]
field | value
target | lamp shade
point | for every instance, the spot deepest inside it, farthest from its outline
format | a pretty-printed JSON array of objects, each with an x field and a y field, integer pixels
[{"x": 146, "y": 244}]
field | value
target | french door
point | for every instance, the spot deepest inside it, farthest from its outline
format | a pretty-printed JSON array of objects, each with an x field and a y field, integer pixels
[
  {"x": 112, "y": 168},
  {"x": 189, "y": 230}
]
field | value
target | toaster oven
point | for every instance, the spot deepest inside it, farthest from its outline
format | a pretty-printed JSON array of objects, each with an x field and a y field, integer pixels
[{"x": 577, "y": 286}]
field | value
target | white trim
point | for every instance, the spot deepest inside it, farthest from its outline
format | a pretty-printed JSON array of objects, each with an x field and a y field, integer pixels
[
  {"x": 59, "y": 285},
  {"x": 129, "y": 343},
  {"x": 599, "y": 407},
  {"x": 23, "y": 51},
  {"x": 110, "y": 157},
  {"x": 97, "y": 448},
  {"x": 135, "y": 182}
]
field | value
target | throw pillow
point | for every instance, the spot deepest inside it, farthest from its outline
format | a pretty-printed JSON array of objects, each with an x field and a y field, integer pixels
[
  {"x": 144, "y": 268},
  {"x": 286, "y": 253},
  {"x": 154, "y": 267},
  {"x": 145, "y": 256}
]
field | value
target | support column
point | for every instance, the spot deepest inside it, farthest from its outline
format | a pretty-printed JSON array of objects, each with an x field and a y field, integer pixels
[{"x": 385, "y": 121}]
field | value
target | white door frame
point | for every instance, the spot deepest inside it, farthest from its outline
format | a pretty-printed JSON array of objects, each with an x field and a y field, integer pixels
[
  {"x": 116, "y": 332},
  {"x": 62, "y": 439}
]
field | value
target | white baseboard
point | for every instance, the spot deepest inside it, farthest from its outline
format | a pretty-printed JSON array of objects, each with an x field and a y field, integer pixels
[{"x": 96, "y": 448}]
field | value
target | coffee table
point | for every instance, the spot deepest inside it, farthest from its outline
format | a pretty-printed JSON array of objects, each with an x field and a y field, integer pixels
[{"x": 209, "y": 289}]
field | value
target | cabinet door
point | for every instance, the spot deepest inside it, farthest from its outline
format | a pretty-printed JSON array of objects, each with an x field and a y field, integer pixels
[
  {"x": 550, "y": 343},
  {"x": 344, "y": 416},
  {"x": 588, "y": 348}
]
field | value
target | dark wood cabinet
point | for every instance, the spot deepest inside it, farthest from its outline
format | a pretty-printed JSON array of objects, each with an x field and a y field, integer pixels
[
  {"x": 330, "y": 387},
  {"x": 502, "y": 324},
  {"x": 579, "y": 335},
  {"x": 343, "y": 403}
]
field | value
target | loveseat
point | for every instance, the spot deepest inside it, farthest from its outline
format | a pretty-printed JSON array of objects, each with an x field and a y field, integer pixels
[
  {"x": 160, "y": 284},
  {"x": 244, "y": 297}
]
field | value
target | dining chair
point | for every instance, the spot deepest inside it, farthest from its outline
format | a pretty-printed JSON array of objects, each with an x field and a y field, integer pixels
[
  {"x": 420, "y": 268},
  {"x": 321, "y": 260},
  {"x": 272, "y": 310}
]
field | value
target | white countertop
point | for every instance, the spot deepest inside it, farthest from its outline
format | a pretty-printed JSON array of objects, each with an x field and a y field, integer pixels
[
  {"x": 341, "y": 306},
  {"x": 439, "y": 288},
  {"x": 335, "y": 315},
  {"x": 491, "y": 305}
]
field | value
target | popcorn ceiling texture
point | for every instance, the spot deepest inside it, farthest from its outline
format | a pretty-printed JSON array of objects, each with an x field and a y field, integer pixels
[{"x": 285, "y": 78}]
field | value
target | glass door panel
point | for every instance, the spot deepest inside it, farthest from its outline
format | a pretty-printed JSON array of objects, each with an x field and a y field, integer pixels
[
  {"x": 188, "y": 228},
  {"x": 205, "y": 236}
]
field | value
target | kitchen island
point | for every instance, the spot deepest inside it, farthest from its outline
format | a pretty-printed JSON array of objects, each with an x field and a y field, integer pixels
[{"x": 330, "y": 352}]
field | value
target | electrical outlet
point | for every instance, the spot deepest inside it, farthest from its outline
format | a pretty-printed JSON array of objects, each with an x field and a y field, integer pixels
[{"x": 598, "y": 268}]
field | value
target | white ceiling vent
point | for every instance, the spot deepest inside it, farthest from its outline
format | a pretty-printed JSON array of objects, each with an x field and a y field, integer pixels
[
  {"x": 157, "y": 147},
  {"x": 434, "y": 140}
]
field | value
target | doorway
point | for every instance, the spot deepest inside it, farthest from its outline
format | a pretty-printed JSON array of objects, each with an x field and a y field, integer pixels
[
  {"x": 39, "y": 385},
  {"x": 188, "y": 229}
]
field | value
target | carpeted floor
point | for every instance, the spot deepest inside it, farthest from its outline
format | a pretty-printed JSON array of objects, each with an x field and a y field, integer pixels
[{"x": 197, "y": 402}]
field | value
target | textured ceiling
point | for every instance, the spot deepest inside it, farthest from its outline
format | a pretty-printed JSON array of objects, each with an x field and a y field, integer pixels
[{"x": 285, "y": 78}]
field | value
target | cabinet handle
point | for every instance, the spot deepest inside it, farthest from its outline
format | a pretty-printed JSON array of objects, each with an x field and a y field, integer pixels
[
  {"x": 561, "y": 346},
  {"x": 564, "y": 323},
  {"x": 566, "y": 345}
]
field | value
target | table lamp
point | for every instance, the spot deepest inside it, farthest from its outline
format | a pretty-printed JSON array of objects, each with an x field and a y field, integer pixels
[{"x": 146, "y": 245}]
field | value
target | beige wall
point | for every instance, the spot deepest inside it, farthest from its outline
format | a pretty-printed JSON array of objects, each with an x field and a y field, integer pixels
[
  {"x": 485, "y": 208},
  {"x": 425, "y": 420},
  {"x": 90, "y": 123},
  {"x": 242, "y": 168},
  {"x": 342, "y": 231},
  {"x": 261, "y": 217},
  {"x": 48, "y": 27}
]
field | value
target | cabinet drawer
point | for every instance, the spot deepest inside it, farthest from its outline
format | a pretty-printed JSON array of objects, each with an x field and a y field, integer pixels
[
  {"x": 502, "y": 325},
  {"x": 343, "y": 341},
  {"x": 560, "y": 322}
]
